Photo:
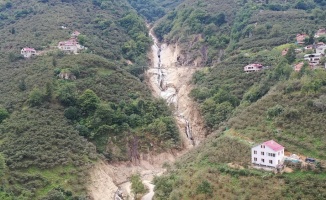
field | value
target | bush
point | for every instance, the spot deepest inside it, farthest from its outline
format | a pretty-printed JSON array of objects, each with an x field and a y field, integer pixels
[
  {"x": 275, "y": 111},
  {"x": 72, "y": 113},
  {"x": 88, "y": 101},
  {"x": 3, "y": 114},
  {"x": 36, "y": 97},
  {"x": 320, "y": 103}
]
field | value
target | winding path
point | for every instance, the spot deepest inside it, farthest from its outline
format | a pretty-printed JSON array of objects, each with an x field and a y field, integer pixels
[{"x": 150, "y": 194}]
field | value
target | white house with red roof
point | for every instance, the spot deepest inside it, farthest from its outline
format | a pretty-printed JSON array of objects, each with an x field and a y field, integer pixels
[
  {"x": 253, "y": 67},
  {"x": 28, "y": 52},
  {"x": 69, "y": 46},
  {"x": 269, "y": 153}
]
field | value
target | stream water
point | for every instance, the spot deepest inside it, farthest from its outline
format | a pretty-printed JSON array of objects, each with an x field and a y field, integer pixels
[
  {"x": 171, "y": 83},
  {"x": 168, "y": 91}
]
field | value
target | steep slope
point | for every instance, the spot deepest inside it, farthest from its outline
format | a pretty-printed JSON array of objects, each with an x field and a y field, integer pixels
[
  {"x": 59, "y": 112},
  {"x": 205, "y": 29},
  {"x": 243, "y": 109}
]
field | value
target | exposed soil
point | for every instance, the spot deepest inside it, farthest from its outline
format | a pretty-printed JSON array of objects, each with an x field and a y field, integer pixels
[
  {"x": 101, "y": 186},
  {"x": 171, "y": 81}
]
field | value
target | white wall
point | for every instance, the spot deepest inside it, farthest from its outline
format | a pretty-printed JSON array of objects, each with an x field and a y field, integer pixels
[
  {"x": 266, "y": 157},
  {"x": 321, "y": 49}
]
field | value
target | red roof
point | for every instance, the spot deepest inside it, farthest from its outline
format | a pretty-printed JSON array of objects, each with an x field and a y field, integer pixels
[
  {"x": 76, "y": 33},
  {"x": 273, "y": 145},
  {"x": 28, "y": 49}
]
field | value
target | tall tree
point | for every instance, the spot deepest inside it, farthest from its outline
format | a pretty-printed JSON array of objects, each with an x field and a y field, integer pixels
[
  {"x": 290, "y": 56},
  {"x": 137, "y": 186}
]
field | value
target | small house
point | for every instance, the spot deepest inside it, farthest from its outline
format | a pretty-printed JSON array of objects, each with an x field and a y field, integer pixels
[
  {"x": 28, "y": 52},
  {"x": 70, "y": 46},
  {"x": 301, "y": 37},
  {"x": 269, "y": 153},
  {"x": 309, "y": 47},
  {"x": 253, "y": 67},
  {"x": 75, "y": 34},
  {"x": 320, "y": 32},
  {"x": 321, "y": 49},
  {"x": 313, "y": 59}
]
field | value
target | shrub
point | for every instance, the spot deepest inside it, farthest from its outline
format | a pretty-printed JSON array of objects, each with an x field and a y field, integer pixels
[
  {"x": 3, "y": 114},
  {"x": 36, "y": 97},
  {"x": 72, "y": 113},
  {"x": 67, "y": 94},
  {"x": 137, "y": 185},
  {"x": 320, "y": 103},
  {"x": 88, "y": 101},
  {"x": 275, "y": 111}
]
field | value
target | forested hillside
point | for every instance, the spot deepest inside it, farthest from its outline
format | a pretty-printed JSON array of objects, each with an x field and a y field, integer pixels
[
  {"x": 206, "y": 29},
  {"x": 243, "y": 109},
  {"x": 59, "y": 111}
]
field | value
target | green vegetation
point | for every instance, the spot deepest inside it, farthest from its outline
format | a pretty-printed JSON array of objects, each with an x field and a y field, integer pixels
[
  {"x": 275, "y": 103},
  {"x": 137, "y": 185},
  {"x": 204, "y": 29},
  {"x": 51, "y": 129}
]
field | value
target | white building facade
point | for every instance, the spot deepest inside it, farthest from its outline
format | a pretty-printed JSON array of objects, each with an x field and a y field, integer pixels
[
  {"x": 253, "y": 68},
  {"x": 269, "y": 154},
  {"x": 321, "y": 49},
  {"x": 28, "y": 52}
]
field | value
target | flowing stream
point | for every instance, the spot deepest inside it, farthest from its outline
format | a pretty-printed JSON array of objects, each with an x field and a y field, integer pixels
[
  {"x": 170, "y": 82},
  {"x": 165, "y": 87},
  {"x": 169, "y": 92}
]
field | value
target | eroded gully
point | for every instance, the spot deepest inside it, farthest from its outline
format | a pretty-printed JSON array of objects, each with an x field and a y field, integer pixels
[{"x": 169, "y": 80}]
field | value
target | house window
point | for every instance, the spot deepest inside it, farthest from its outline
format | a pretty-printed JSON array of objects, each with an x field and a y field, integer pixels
[
  {"x": 255, "y": 159},
  {"x": 278, "y": 153},
  {"x": 273, "y": 154},
  {"x": 262, "y": 153},
  {"x": 270, "y": 162},
  {"x": 255, "y": 152},
  {"x": 262, "y": 160}
]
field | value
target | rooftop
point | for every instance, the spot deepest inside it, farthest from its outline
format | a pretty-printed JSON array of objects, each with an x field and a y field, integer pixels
[{"x": 273, "y": 145}]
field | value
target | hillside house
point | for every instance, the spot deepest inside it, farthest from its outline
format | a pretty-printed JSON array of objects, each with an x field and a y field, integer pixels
[
  {"x": 309, "y": 47},
  {"x": 313, "y": 59},
  {"x": 75, "y": 34},
  {"x": 269, "y": 153},
  {"x": 321, "y": 49},
  {"x": 320, "y": 32},
  {"x": 70, "y": 46},
  {"x": 253, "y": 67},
  {"x": 301, "y": 37},
  {"x": 28, "y": 52}
]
